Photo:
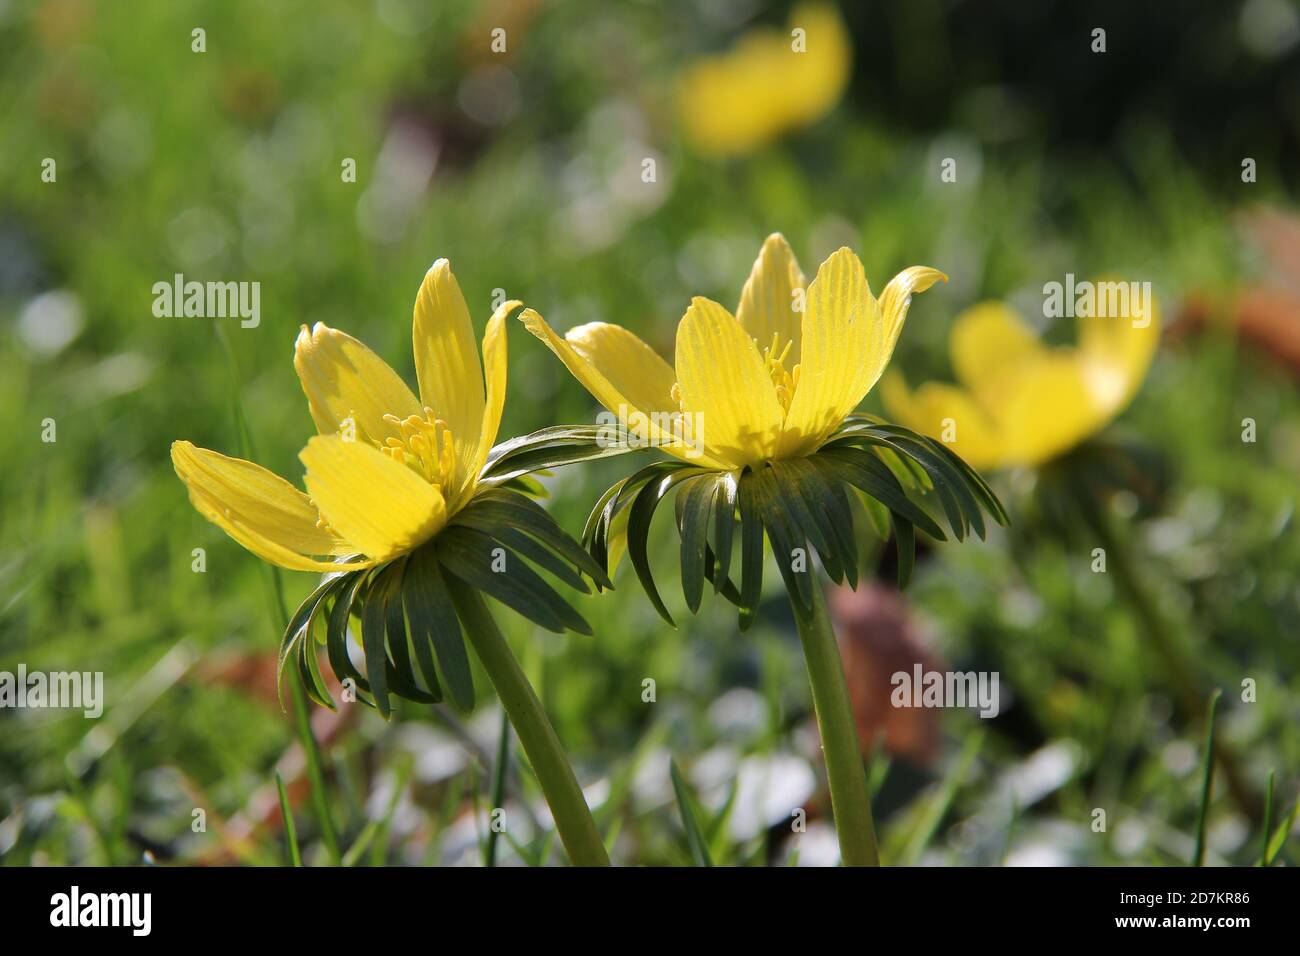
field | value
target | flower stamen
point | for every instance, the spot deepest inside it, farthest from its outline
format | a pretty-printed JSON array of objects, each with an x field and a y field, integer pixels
[
  {"x": 425, "y": 445},
  {"x": 785, "y": 382}
]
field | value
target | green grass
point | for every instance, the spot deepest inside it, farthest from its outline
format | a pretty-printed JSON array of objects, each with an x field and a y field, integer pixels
[{"x": 244, "y": 142}]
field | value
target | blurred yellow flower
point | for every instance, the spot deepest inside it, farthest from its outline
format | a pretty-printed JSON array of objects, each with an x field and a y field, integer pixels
[
  {"x": 771, "y": 82},
  {"x": 773, "y": 381},
  {"x": 387, "y": 470},
  {"x": 1021, "y": 402}
]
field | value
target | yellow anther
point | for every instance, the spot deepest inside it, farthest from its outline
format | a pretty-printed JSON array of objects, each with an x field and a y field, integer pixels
[
  {"x": 424, "y": 444},
  {"x": 774, "y": 358},
  {"x": 322, "y": 523}
]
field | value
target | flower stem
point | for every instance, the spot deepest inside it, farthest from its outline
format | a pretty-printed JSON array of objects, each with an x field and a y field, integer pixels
[
  {"x": 540, "y": 744},
  {"x": 845, "y": 772}
]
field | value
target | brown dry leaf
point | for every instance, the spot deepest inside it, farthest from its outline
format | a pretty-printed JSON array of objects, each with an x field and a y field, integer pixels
[
  {"x": 877, "y": 640},
  {"x": 1265, "y": 314}
]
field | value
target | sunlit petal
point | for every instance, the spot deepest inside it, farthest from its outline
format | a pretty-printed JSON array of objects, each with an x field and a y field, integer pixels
[
  {"x": 722, "y": 376},
  {"x": 843, "y": 339},
  {"x": 989, "y": 346},
  {"x": 1053, "y": 405},
  {"x": 345, "y": 381},
  {"x": 767, "y": 304},
  {"x": 1117, "y": 348},
  {"x": 895, "y": 301},
  {"x": 447, "y": 359},
  {"x": 621, "y": 372},
  {"x": 256, "y": 507},
  {"x": 379, "y": 505},
  {"x": 495, "y": 368}
]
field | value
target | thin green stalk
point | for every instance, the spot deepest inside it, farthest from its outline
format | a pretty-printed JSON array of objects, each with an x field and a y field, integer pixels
[
  {"x": 569, "y": 808},
  {"x": 1207, "y": 782},
  {"x": 498, "y": 789},
  {"x": 290, "y": 831},
  {"x": 694, "y": 838},
  {"x": 302, "y": 717},
  {"x": 845, "y": 771}
]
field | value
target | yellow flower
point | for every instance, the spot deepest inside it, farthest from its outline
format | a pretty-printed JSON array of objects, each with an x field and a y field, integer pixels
[
  {"x": 1021, "y": 402},
  {"x": 388, "y": 469},
  {"x": 772, "y": 382},
  {"x": 771, "y": 82},
  {"x": 757, "y": 411}
]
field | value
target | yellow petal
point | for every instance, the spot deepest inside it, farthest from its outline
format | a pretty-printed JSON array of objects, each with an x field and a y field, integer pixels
[
  {"x": 446, "y": 358},
  {"x": 843, "y": 344},
  {"x": 723, "y": 378},
  {"x": 259, "y": 509},
  {"x": 989, "y": 345},
  {"x": 621, "y": 372},
  {"x": 767, "y": 305},
  {"x": 1030, "y": 403},
  {"x": 1051, "y": 406},
  {"x": 1118, "y": 347},
  {"x": 382, "y": 507},
  {"x": 345, "y": 381},
  {"x": 947, "y": 413},
  {"x": 495, "y": 367},
  {"x": 897, "y": 299}
]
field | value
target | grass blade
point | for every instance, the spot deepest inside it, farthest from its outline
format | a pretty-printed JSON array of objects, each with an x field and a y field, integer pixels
[
  {"x": 694, "y": 838},
  {"x": 1207, "y": 781},
  {"x": 1281, "y": 833},
  {"x": 290, "y": 831}
]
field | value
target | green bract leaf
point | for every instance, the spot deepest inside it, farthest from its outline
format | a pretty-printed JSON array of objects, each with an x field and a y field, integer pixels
[
  {"x": 337, "y": 633},
  {"x": 501, "y": 510},
  {"x": 724, "y": 521},
  {"x": 695, "y": 508},
  {"x": 641, "y": 512},
  {"x": 798, "y": 503},
  {"x": 751, "y": 551},
  {"x": 297, "y": 637},
  {"x": 373, "y": 622},
  {"x": 434, "y": 625},
  {"x": 478, "y": 560},
  {"x": 547, "y": 448}
]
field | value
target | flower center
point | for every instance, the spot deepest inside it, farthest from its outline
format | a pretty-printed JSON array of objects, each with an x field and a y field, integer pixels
[
  {"x": 774, "y": 357},
  {"x": 425, "y": 446}
]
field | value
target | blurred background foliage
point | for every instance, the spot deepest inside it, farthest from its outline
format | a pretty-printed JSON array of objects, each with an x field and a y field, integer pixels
[{"x": 525, "y": 169}]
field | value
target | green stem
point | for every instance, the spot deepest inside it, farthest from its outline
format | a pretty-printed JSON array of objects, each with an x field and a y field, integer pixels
[
  {"x": 573, "y": 819},
  {"x": 845, "y": 771},
  {"x": 498, "y": 788}
]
